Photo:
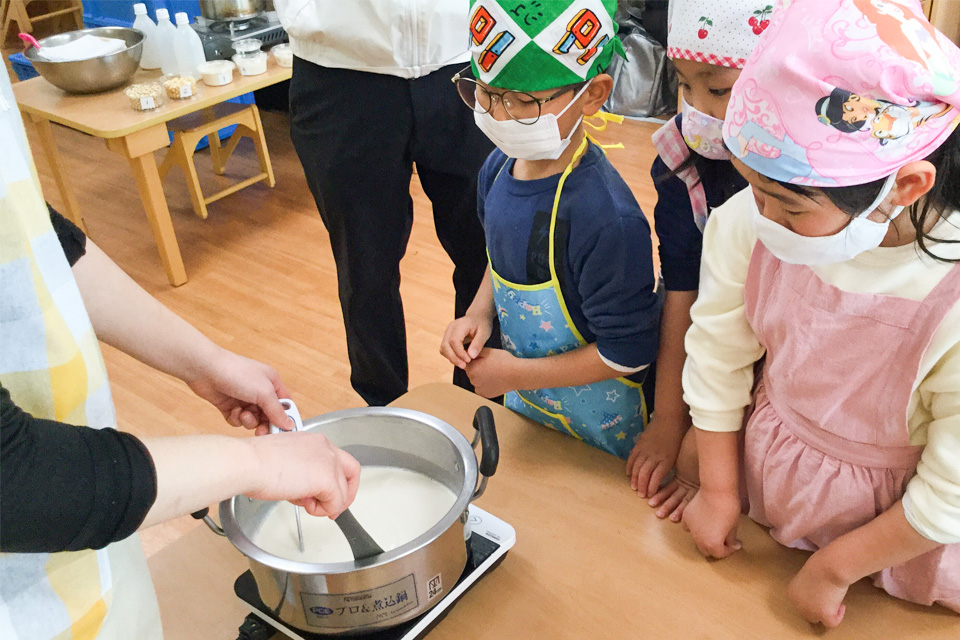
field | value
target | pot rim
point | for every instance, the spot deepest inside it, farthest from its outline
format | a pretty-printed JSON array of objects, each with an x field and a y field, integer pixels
[{"x": 468, "y": 458}]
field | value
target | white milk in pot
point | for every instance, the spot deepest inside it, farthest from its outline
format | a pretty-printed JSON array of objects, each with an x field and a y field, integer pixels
[{"x": 394, "y": 505}]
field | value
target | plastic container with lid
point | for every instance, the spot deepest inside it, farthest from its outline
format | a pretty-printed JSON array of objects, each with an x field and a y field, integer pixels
[
  {"x": 249, "y": 58},
  {"x": 283, "y": 54},
  {"x": 144, "y": 96},
  {"x": 217, "y": 73},
  {"x": 179, "y": 87}
]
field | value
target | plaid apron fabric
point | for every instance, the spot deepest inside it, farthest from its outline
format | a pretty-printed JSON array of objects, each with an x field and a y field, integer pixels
[{"x": 669, "y": 143}]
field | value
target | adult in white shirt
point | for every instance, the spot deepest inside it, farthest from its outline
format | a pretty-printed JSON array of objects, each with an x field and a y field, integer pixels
[{"x": 370, "y": 97}]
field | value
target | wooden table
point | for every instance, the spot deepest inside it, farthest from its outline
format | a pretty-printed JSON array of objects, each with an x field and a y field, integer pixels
[
  {"x": 133, "y": 134},
  {"x": 591, "y": 561}
]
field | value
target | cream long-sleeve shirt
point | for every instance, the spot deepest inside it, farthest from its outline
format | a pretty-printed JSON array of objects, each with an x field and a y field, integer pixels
[{"x": 722, "y": 349}]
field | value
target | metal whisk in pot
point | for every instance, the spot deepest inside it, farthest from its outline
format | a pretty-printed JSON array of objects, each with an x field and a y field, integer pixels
[{"x": 291, "y": 410}]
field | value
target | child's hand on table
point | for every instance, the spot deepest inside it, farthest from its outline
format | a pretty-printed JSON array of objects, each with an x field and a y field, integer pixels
[
  {"x": 475, "y": 329},
  {"x": 662, "y": 446},
  {"x": 818, "y": 592},
  {"x": 712, "y": 518},
  {"x": 493, "y": 372},
  {"x": 654, "y": 455}
]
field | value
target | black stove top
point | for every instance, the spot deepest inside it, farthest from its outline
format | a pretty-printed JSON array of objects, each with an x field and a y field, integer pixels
[
  {"x": 479, "y": 549},
  {"x": 218, "y": 36},
  {"x": 237, "y": 26}
]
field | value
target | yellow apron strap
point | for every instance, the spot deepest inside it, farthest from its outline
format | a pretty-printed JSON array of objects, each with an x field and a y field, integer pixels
[
  {"x": 555, "y": 280},
  {"x": 604, "y": 119},
  {"x": 502, "y": 167},
  {"x": 556, "y": 205}
]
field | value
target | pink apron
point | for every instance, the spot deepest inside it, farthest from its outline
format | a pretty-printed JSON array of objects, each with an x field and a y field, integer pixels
[{"x": 827, "y": 449}]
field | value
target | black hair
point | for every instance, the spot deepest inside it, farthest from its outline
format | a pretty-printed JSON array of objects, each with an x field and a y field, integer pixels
[
  {"x": 942, "y": 199},
  {"x": 830, "y": 111}
]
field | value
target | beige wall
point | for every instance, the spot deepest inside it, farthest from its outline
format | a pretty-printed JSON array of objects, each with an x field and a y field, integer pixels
[{"x": 945, "y": 16}]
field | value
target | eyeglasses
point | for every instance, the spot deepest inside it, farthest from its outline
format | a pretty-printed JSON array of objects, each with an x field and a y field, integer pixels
[{"x": 519, "y": 105}]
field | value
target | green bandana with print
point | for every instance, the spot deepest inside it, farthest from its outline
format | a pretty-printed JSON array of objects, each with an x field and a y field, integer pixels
[{"x": 541, "y": 44}]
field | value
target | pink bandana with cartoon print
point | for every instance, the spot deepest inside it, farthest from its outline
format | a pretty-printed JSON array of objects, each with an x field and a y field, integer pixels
[
  {"x": 844, "y": 93},
  {"x": 719, "y": 32}
]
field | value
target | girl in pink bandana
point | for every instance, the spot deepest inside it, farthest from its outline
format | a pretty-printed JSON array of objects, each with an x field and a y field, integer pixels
[
  {"x": 692, "y": 174},
  {"x": 827, "y": 312}
]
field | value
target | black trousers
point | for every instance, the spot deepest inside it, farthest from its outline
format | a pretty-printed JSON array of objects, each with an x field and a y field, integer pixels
[{"x": 358, "y": 135}]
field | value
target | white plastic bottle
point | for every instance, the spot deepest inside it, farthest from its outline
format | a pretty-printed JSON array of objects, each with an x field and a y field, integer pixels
[
  {"x": 189, "y": 48},
  {"x": 166, "y": 35},
  {"x": 149, "y": 58}
]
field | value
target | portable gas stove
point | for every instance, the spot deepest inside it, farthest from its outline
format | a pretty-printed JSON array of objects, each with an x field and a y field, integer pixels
[
  {"x": 218, "y": 36},
  {"x": 490, "y": 540}
]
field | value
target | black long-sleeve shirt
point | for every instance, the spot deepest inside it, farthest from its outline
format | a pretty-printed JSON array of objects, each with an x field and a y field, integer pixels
[{"x": 64, "y": 487}]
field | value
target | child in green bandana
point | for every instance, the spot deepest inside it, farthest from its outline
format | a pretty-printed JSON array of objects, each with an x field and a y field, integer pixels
[{"x": 571, "y": 269}]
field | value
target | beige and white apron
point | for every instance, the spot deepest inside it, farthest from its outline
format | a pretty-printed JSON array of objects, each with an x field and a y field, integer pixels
[{"x": 51, "y": 364}]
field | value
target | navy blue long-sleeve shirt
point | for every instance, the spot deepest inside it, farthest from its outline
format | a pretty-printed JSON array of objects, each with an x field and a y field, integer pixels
[
  {"x": 681, "y": 242},
  {"x": 604, "y": 251}
]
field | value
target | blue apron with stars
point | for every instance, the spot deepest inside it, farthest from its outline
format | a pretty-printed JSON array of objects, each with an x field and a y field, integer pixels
[{"x": 535, "y": 323}]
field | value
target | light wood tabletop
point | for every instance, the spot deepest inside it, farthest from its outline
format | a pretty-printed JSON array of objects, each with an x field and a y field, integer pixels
[
  {"x": 109, "y": 115},
  {"x": 133, "y": 134},
  {"x": 591, "y": 561}
]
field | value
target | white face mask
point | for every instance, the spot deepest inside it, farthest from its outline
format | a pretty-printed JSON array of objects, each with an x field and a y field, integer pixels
[
  {"x": 703, "y": 133},
  {"x": 538, "y": 141},
  {"x": 858, "y": 236}
]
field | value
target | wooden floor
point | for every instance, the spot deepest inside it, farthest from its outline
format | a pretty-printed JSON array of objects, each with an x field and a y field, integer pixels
[{"x": 262, "y": 278}]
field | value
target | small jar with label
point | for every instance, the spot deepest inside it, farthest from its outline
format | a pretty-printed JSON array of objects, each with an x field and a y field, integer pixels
[
  {"x": 217, "y": 73},
  {"x": 180, "y": 87},
  {"x": 145, "y": 96},
  {"x": 249, "y": 58}
]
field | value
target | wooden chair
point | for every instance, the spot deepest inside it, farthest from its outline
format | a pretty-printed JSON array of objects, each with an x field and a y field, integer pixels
[
  {"x": 190, "y": 129},
  {"x": 16, "y": 11}
]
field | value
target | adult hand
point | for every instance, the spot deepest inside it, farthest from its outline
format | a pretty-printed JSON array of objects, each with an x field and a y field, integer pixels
[
  {"x": 306, "y": 469},
  {"x": 493, "y": 372},
  {"x": 818, "y": 592},
  {"x": 712, "y": 518},
  {"x": 245, "y": 391},
  {"x": 474, "y": 329}
]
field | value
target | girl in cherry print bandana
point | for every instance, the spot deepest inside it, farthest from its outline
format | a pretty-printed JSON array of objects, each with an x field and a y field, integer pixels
[{"x": 708, "y": 43}]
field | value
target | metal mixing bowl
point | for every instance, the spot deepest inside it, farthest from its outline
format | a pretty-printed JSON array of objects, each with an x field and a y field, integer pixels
[{"x": 95, "y": 74}]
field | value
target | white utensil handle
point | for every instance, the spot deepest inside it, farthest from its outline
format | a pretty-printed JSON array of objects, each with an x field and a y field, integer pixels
[{"x": 290, "y": 408}]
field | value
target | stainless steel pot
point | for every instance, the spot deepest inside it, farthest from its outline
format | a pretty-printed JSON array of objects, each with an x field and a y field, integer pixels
[
  {"x": 386, "y": 590},
  {"x": 230, "y": 9}
]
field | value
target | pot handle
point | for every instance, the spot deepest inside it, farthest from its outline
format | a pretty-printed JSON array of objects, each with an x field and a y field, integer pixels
[
  {"x": 489, "y": 447},
  {"x": 204, "y": 514}
]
